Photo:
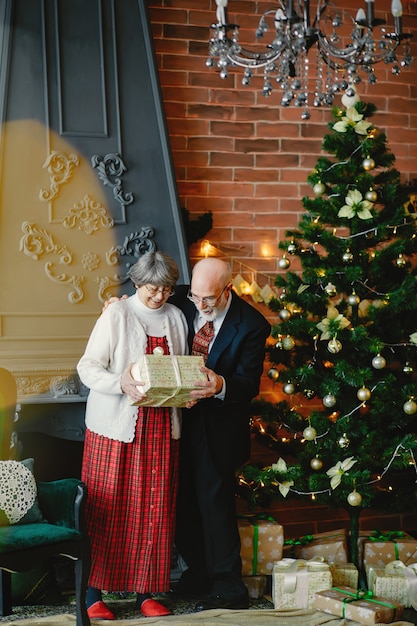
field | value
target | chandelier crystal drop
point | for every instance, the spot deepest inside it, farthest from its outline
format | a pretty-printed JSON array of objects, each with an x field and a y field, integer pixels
[{"x": 344, "y": 46}]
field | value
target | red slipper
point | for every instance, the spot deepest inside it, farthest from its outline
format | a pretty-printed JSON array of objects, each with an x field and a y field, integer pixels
[
  {"x": 99, "y": 610},
  {"x": 152, "y": 608}
]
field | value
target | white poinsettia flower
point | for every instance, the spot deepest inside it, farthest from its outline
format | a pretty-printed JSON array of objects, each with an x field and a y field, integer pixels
[
  {"x": 336, "y": 472},
  {"x": 413, "y": 338},
  {"x": 356, "y": 206},
  {"x": 280, "y": 466},
  {"x": 284, "y": 487},
  {"x": 352, "y": 118},
  {"x": 337, "y": 321}
]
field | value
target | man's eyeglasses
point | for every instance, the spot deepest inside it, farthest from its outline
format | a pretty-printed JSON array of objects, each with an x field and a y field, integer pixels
[
  {"x": 165, "y": 291},
  {"x": 210, "y": 300}
]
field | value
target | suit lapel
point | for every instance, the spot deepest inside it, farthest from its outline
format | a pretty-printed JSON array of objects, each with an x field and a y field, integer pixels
[{"x": 226, "y": 334}]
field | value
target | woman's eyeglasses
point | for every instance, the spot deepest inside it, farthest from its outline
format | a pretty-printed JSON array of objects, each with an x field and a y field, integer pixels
[{"x": 165, "y": 291}]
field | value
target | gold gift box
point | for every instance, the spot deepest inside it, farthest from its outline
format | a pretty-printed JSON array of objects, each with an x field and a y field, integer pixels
[
  {"x": 382, "y": 547},
  {"x": 354, "y": 605},
  {"x": 168, "y": 380},
  {"x": 256, "y": 586},
  {"x": 331, "y": 546},
  {"x": 396, "y": 581},
  {"x": 345, "y": 575},
  {"x": 261, "y": 545},
  {"x": 295, "y": 582}
]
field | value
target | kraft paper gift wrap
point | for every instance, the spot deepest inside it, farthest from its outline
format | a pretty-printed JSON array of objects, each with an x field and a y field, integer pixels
[
  {"x": 345, "y": 575},
  {"x": 261, "y": 541},
  {"x": 332, "y": 546},
  {"x": 256, "y": 586},
  {"x": 359, "y": 606},
  {"x": 168, "y": 379},
  {"x": 295, "y": 582},
  {"x": 396, "y": 581},
  {"x": 382, "y": 547}
]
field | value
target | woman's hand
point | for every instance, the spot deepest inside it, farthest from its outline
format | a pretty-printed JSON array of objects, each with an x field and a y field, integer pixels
[{"x": 129, "y": 385}]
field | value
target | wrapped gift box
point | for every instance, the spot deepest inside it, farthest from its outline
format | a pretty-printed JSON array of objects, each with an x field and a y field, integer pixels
[
  {"x": 256, "y": 586},
  {"x": 344, "y": 575},
  {"x": 332, "y": 546},
  {"x": 348, "y": 603},
  {"x": 380, "y": 548},
  {"x": 261, "y": 545},
  {"x": 295, "y": 582},
  {"x": 167, "y": 379},
  {"x": 396, "y": 581}
]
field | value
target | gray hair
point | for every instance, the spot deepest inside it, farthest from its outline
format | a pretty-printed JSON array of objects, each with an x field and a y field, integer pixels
[{"x": 154, "y": 268}]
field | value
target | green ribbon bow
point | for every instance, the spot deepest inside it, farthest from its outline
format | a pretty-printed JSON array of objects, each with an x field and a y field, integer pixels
[
  {"x": 253, "y": 519},
  {"x": 361, "y": 594},
  {"x": 388, "y": 535}
]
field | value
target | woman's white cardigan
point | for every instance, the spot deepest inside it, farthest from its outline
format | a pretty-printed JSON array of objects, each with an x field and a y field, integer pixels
[{"x": 118, "y": 339}]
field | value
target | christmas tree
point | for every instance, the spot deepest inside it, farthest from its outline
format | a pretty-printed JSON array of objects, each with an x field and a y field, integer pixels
[{"x": 345, "y": 343}]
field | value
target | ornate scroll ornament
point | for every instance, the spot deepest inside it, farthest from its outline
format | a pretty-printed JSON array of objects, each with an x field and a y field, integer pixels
[
  {"x": 60, "y": 167},
  {"x": 110, "y": 169},
  {"x": 36, "y": 242},
  {"x": 89, "y": 216},
  {"x": 133, "y": 247}
]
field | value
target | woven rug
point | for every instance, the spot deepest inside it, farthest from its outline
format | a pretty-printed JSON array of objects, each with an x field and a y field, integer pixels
[{"x": 264, "y": 617}]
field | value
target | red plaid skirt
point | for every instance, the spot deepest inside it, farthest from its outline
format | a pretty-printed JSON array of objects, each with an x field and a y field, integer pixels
[{"x": 130, "y": 511}]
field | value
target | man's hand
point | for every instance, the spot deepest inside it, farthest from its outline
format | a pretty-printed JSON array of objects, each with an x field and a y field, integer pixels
[
  {"x": 113, "y": 299},
  {"x": 212, "y": 386},
  {"x": 129, "y": 385}
]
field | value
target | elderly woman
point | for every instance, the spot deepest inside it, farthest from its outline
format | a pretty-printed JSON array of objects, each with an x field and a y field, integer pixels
[{"x": 130, "y": 463}]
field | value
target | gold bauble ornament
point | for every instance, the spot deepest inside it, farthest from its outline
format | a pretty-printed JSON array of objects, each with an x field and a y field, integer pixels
[
  {"x": 329, "y": 400},
  {"x": 316, "y": 463},
  {"x": 353, "y": 299},
  {"x": 343, "y": 441},
  {"x": 354, "y": 498},
  {"x": 334, "y": 346},
  {"x": 273, "y": 374},
  {"x": 368, "y": 164},
  {"x": 363, "y": 394},
  {"x": 285, "y": 315},
  {"x": 288, "y": 343},
  {"x": 400, "y": 261},
  {"x": 289, "y": 388},
  {"x": 309, "y": 433},
  {"x": 330, "y": 289},
  {"x": 410, "y": 407},
  {"x": 378, "y": 362},
  {"x": 292, "y": 248},
  {"x": 408, "y": 369},
  {"x": 371, "y": 195},
  {"x": 347, "y": 256},
  {"x": 283, "y": 263},
  {"x": 319, "y": 189}
]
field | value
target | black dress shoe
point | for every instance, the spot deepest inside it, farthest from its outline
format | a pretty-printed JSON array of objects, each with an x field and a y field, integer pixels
[{"x": 218, "y": 602}]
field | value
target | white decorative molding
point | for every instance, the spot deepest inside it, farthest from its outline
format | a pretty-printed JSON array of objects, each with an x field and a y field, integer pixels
[
  {"x": 48, "y": 386},
  {"x": 36, "y": 242},
  {"x": 77, "y": 294},
  {"x": 60, "y": 167},
  {"x": 89, "y": 216}
]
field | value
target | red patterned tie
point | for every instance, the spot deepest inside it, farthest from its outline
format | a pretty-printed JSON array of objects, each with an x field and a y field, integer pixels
[{"x": 202, "y": 340}]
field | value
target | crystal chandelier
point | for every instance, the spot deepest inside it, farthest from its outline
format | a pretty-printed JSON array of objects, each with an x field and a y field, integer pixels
[{"x": 345, "y": 46}]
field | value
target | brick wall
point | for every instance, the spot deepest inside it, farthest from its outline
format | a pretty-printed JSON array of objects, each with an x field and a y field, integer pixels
[{"x": 246, "y": 158}]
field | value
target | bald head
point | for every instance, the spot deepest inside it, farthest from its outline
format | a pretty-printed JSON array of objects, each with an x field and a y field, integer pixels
[{"x": 210, "y": 284}]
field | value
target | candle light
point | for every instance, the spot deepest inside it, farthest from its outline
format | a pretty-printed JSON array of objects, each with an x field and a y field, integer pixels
[
  {"x": 221, "y": 11},
  {"x": 360, "y": 18},
  {"x": 397, "y": 11}
]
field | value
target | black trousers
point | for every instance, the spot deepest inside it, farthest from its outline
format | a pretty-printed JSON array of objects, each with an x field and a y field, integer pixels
[{"x": 207, "y": 535}]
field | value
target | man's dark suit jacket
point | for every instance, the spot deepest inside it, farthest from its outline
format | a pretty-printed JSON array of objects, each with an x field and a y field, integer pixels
[{"x": 238, "y": 355}]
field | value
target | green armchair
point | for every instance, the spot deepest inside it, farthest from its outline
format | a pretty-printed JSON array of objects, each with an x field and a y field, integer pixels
[{"x": 61, "y": 533}]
